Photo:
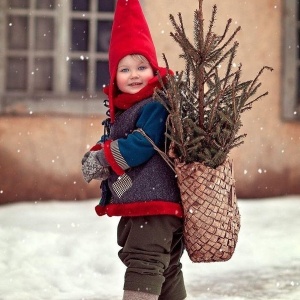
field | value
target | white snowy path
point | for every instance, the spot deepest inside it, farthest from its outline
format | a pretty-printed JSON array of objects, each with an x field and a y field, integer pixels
[{"x": 63, "y": 251}]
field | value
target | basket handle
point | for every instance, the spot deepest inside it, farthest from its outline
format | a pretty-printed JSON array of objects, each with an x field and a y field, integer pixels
[{"x": 162, "y": 153}]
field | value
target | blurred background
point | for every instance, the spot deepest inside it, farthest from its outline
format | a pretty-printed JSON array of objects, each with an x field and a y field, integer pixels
[{"x": 54, "y": 62}]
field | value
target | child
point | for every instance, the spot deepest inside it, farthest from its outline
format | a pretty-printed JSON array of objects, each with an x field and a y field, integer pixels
[{"x": 139, "y": 186}]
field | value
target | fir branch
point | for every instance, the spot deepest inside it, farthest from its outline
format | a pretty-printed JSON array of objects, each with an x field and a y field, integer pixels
[
  {"x": 213, "y": 111},
  {"x": 259, "y": 74},
  {"x": 229, "y": 65},
  {"x": 212, "y": 20},
  {"x": 238, "y": 141},
  {"x": 230, "y": 38},
  {"x": 222, "y": 37},
  {"x": 219, "y": 62},
  {"x": 180, "y": 37},
  {"x": 249, "y": 105},
  {"x": 225, "y": 117},
  {"x": 233, "y": 97},
  {"x": 201, "y": 25},
  {"x": 201, "y": 68},
  {"x": 203, "y": 125},
  {"x": 210, "y": 37}
]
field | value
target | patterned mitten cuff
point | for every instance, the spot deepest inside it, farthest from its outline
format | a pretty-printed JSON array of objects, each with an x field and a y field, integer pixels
[{"x": 101, "y": 158}]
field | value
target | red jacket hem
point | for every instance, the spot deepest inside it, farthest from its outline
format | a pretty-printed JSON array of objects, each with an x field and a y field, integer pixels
[{"x": 137, "y": 209}]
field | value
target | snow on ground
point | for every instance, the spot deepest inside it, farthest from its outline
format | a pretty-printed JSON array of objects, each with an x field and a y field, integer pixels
[{"x": 63, "y": 251}]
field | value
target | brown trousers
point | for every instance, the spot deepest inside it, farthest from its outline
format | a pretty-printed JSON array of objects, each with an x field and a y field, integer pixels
[{"x": 151, "y": 250}]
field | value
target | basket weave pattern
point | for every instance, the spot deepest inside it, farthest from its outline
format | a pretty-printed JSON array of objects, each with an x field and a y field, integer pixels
[{"x": 211, "y": 215}]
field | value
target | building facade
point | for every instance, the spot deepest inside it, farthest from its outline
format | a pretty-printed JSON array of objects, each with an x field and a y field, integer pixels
[{"x": 53, "y": 65}]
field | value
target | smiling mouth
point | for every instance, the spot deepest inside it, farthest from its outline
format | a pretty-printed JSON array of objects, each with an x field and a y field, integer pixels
[{"x": 135, "y": 84}]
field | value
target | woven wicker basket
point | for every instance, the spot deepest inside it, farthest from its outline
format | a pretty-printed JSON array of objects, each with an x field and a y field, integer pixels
[{"x": 211, "y": 214}]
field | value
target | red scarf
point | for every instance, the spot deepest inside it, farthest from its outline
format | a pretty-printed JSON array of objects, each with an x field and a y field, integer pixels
[{"x": 124, "y": 101}]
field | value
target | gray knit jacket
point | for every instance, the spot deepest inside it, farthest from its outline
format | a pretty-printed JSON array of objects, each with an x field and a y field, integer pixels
[{"x": 149, "y": 188}]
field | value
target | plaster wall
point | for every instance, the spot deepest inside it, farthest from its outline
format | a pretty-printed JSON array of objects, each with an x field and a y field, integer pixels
[{"x": 40, "y": 155}]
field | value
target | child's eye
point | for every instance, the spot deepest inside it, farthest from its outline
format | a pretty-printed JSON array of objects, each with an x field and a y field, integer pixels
[
  {"x": 141, "y": 68},
  {"x": 124, "y": 70}
]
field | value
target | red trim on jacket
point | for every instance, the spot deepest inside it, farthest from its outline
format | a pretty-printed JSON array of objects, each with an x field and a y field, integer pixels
[
  {"x": 96, "y": 147},
  {"x": 111, "y": 160},
  {"x": 137, "y": 209}
]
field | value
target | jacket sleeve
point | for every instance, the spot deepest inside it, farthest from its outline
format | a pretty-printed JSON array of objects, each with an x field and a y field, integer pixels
[{"x": 135, "y": 149}]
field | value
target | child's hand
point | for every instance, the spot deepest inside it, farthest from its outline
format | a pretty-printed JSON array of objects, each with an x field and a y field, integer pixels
[{"x": 91, "y": 167}]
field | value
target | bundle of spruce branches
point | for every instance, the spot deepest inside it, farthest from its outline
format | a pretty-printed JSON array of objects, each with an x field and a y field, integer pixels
[{"x": 206, "y": 100}]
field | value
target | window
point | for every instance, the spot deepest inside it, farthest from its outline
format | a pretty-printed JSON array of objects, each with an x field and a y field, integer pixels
[
  {"x": 291, "y": 60},
  {"x": 30, "y": 51},
  {"x": 89, "y": 44},
  {"x": 54, "y": 49}
]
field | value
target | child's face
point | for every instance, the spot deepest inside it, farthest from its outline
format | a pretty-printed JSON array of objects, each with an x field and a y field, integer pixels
[{"x": 133, "y": 74}]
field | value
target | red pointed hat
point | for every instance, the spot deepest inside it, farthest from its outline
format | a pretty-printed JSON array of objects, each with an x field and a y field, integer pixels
[{"x": 130, "y": 35}]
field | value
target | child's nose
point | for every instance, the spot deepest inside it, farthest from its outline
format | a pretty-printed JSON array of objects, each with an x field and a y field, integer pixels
[{"x": 134, "y": 74}]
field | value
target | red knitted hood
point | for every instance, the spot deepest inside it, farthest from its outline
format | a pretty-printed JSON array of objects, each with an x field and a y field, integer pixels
[{"x": 130, "y": 35}]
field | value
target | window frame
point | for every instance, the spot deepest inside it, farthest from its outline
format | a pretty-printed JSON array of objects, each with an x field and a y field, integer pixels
[
  {"x": 290, "y": 61},
  {"x": 60, "y": 98}
]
